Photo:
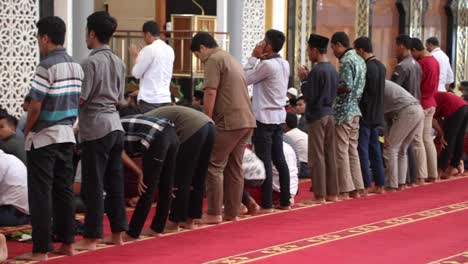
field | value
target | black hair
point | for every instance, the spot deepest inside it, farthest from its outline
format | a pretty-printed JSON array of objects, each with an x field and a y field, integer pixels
[
  {"x": 342, "y": 38},
  {"x": 293, "y": 102},
  {"x": 28, "y": 98},
  {"x": 275, "y": 38},
  {"x": 203, "y": 38},
  {"x": 404, "y": 40},
  {"x": 417, "y": 44},
  {"x": 434, "y": 41},
  {"x": 53, "y": 27},
  {"x": 363, "y": 43},
  {"x": 322, "y": 50},
  {"x": 103, "y": 25},
  {"x": 301, "y": 98},
  {"x": 11, "y": 120},
  {"x": 291, "y": 120},
  {"x": 128, "y": 110},
  {"x": 152, "y": 28},
  {"x": 199, "y": 95}
]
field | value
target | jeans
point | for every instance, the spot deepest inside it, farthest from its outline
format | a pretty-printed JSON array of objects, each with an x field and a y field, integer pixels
[
  {"x": 268, "y": 143},
  {"x": 370, "y": 156}
]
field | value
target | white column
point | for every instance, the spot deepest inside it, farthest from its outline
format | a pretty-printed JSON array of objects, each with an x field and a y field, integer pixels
[
  {"x": 64, "y": 10},
  {"x": 234, "y": 27},
  {"x": 221, "y": 15},
  {"x": 81, "y": 10}
]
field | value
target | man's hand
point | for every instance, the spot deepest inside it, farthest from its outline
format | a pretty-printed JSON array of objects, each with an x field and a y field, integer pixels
[
  {"x": 443, "y": 142},
  {"x": 258, "y": 51},
  {"x": 303, "y": 72},
  {"x": 133, "y": 50},
  {"x": 141, "y": 185}
]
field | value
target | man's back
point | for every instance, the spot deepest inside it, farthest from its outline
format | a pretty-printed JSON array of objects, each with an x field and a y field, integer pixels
[
  {"x": 429, "y": 81},
  {"x": 299, "y": 142},
  {"x": 446, "y": 72},
  {"x": 396, "y": 97},
  {"x": 408, "y": 74},
  {"x": 13, "y": 182},
  {"x": 103, "y": 88},
  {"x": 372, "y": 98}
]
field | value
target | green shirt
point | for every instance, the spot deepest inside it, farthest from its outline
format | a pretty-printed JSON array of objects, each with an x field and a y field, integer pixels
[{"x": 352, "y": 76}]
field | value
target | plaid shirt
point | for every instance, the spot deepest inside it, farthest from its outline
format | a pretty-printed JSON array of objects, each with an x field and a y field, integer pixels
[{"x": 140, "y": 131}]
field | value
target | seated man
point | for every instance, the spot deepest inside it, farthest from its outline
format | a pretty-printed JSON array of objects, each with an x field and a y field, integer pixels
[
  {"x": 291, "y": 159},
  {"x": 298, "y": 140},
  {"x": 300, "y": 110},
  {"x": 10, "y": 141},
  {"x": 452, "y": 112},
  {"x": 405, "y": 119},
  {"x": 154, "y": 139},
  {"x": 14, "y": 208}
]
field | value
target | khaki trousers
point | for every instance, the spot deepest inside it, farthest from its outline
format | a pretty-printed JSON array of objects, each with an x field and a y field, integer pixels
[
  {"x": 322, "y": 157},
  {"x": 225, "y": 179},
  {"x": 347, "y": 157},
  {"x": 431, "y": 152}
]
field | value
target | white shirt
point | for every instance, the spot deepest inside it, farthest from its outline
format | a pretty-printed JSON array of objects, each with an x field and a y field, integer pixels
[
  {"x": 446, "y": 73},
  {"x": 153, "y": 67},
  {"x": 270, "y": 86},
  {"x": 13, "y": 182},
  {"x": 299, "y": 141},
  {"x": 291, "y": 160}
]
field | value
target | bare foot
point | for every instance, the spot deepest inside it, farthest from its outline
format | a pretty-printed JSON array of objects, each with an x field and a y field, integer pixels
[
  {"x": 127, "y": 238},
  {"x": 212, "y": 219},
  {"x": 266, "y": 210},
  {"x": 114, "y": 239},
  {"x": 401, "y": 187},
  {"x": 431, "y": 180},
  {"x": 33, "y": 257},
  {"x": 150, "y": 233},
  {"x": 461, "y": 167},
  {"x": 3, "y": 248},
  {"x": 390, "y": 189},
  {"x": 379, "y": 190},
  {"x": 332, "y": 198},
  {"x": 363, "y": 192},
  {"x": 420, "y": 181},
  {"x": 230, "y": 218},
  {"x": 344, "y": 196},
  {"x": 284, "y": 208},
  {"x": 85, "y": 244},
  {"x": 243, "y": 210},
  {"x": 189, "y": 224},
  {"x": 316, "y": 200},
  {"x": 354, "y": 194},
  {"x": 65, "y": 249},
  {"x": 171, "y": 227}
]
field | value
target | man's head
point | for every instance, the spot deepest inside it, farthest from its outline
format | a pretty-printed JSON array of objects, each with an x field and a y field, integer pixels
[
  {"x": 26, "y": 102},
  {"x": 300, "y": 105},
  {"x": 291, "y": 121},
  {"x": 432, "y": 43},
  {"x": 404, "y": 45},
  {"x": 202, "y": 45},
  {"x": 8, "y": 125},
  {"x": 151, "y": 32},
  {"x": 339, "y": 43},
  {"x": 292, "y": 93},
  {"x": 100, "y": 28},
  {"x": 363, "y": 47},
  {"x": 464, "y": 87},
  {"x": 50, "y": 34},
  {"x": 317, "y": 47},
  {"x": 197, "y": 98},
  {"x": 417, "y": 48},
  {"x": 274, "y": 41}
]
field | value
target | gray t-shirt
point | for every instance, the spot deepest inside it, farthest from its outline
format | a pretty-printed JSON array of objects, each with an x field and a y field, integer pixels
[
  {"x": 103, "y": 88},
  {"x": 396, "y": 98},
  {"x": 408, "y": 74},
  {"x": 14, "y": 146}
]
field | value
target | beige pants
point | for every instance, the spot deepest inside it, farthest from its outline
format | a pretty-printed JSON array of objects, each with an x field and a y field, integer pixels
[
  {"x": 347, "y": 157},
  {"x": 225, "y": 179},
  {"x": 322, "y": 157},
  {"x": 431, "y": 152}
]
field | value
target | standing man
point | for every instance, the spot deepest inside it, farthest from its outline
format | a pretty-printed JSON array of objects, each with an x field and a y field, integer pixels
[
  {"x": 347, "y": 113},
  {"x": 101, "y": 134},
  {"x": 227, "y": 102},
  {"x": 446, "y": 73},
  {"x": 319, "y": 89},
  {"x": 372, "y": 117},
  {"x": 55, "y": 93},
  {"x": 408, "y": 74},
  {"x": 429, "y": 84},
  {"x": 153, "y": 66},
  {"x": 270, "y": 85}
]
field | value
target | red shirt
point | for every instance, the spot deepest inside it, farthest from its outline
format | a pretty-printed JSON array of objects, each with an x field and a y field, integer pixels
[
  {"x": 448, "y": 104},
  {"x": 429, "y": 81}
]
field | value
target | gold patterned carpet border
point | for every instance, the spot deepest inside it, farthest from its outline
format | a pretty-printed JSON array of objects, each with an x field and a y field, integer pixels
[{"x": 460, "y": 258}]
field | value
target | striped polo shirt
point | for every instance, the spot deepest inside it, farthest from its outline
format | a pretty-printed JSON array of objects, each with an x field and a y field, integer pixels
[
  {"x": 141, "y": 131},
  {"x": 57, "y": 84}
]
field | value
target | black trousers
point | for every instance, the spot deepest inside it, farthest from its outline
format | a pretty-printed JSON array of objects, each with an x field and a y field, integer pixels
[
  {"x": 101, "y": 165},
  {"x": 10, "y": 216},
  {"x": 194, "y": 154},
  {"x": 158, "y": 172},
  {"x": 50, "y": 190},
  {"x": 454, "y": 129},
  {"x": 268, "y": 143}
]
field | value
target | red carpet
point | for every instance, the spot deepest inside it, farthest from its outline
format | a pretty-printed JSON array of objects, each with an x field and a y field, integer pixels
[{"x": 423, "y": 240}]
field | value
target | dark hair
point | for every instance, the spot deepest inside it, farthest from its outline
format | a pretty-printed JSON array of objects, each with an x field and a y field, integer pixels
[
  {"x": 28, "y": 98},
  {"x": 293, "y": 102},
  {"x": 128, "y": 110},
  {"x": 275, "y": 38},
  {"x": 301, "y": 98},
  {"x": 417, "y": 44},
  {"x": 433, "y": 41},
  {"x": 103, "y": 25},
  {"x": 152, "y": 28},
  {"x": 53, "y": 27},
  {"x": 404, "y": 40},
  {"x": 322, "y": 50},
  {"x": 363, "y": 43},
  {"x": 11, "y": 120},
  {"x": 340, "y": 37},
  {"x": 199, "y": 95},
  {"x": 202, "y": 38},
  {"x": 291, "y": 120}
]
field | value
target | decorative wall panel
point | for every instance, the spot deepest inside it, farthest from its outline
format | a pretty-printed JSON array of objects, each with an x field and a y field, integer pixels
[
  {"x": 362, "y": 18},
  {"x": 303, "y": 27},
  {"x": 253, "y": 26},
  {"x": 416, "y": 18},
  {"x": 18, "y": 51},
  {"x": 462, "y": 42}
]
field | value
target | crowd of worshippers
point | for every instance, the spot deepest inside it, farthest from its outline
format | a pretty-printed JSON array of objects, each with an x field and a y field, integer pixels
[{"x": 83, "y": 145}]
